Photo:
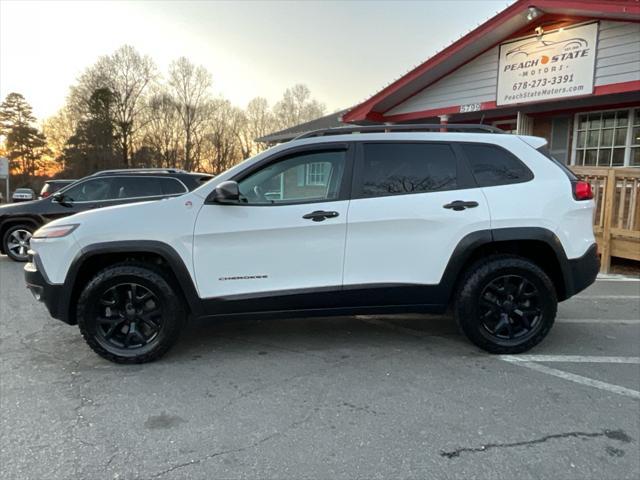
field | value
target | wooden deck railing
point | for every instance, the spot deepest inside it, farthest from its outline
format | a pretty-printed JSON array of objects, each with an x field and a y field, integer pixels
[{"x": 617, "y": 216}]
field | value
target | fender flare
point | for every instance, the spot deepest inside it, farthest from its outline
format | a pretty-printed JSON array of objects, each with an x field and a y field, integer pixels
[
  {"x": 474, "y": 240},
  {"x": 167, "y": 252}
]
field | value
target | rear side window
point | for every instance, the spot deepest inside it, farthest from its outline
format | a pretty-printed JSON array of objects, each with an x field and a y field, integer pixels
[
  {"x": 135, "y": 187},
  {"x": 47, "y": 188},
  {"x": 545, "y": 151},
  {"x": 492, "y": 165},
  {"x": 171, "y": 186},
  {"x": 403, "y": 168}
]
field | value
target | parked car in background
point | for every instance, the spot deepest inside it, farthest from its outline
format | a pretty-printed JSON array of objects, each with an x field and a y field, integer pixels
[
  {"x": 23, "y": 195},
  {"x": 102, "y": 189},
  {"x": 52, "y": 186}
]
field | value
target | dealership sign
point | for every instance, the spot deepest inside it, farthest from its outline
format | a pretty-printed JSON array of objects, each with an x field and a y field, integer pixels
[{"x": 553, "y": 65}]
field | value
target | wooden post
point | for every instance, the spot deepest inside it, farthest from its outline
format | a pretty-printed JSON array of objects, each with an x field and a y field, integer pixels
[{"x": 609, "y": 196}]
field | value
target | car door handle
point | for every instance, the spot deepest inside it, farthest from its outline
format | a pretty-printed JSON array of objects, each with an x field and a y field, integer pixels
[
  {"x": 460, "y": 205},
  {"x": 320, "y": 215}
]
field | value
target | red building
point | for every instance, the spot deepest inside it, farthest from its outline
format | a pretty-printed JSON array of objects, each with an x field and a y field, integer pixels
[{"x": 568, "y": 71}]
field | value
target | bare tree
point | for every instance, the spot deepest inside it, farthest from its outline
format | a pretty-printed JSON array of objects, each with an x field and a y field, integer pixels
[
  {"x": 258, "y": 122},
  {"x": 58, "y": 129},
  {"x": 190, "y": 87},
  {"x": 220, "y": 144},
  {"x": 296, "y": 107},
  {"x": 127, "y": 74},
  {"x": 163, "y": 126}
]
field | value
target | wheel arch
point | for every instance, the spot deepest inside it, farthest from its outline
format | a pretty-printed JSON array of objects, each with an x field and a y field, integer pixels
[
  {"x": 537, "y": 244},
  {"x": 95, "y": 257}
]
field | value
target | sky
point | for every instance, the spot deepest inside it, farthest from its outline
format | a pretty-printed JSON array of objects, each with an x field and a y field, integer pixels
[{"x": 344, "y": 51}]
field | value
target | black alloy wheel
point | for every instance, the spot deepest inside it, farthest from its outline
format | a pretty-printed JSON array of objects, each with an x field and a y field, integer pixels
[
  {"x": 131, "y": 312},
  {"x": 130, "y": 316},
  {"x": 505, "y": 304},
  {"x": 510, "y": 308}
]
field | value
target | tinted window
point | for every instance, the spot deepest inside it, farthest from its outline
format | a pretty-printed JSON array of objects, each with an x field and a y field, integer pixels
[
  {"x": 171, "y": 186},
  {"x": 90, "y": 191},
  {"x": 304, "y": 177},
  {"x": 51, "y": 187},
  {"x": 400, "y": 168},
  {"x": 134, "y": 187},
  {"x": 545, "y": 151},
  {"x": 492, "y": 165}
]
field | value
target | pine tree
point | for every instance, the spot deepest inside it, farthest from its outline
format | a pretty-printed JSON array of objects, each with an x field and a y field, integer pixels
[
  {"x": 93, "y": 145},
  {"x": 24, "y": 143}
]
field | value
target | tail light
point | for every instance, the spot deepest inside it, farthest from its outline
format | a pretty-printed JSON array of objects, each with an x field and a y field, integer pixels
[
  {"x": 44, "y": 194},
  {"x": 582, "y": 190}
]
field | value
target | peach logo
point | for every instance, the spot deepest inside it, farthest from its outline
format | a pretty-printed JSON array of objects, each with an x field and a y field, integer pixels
[{"x": 544, "y": 59}]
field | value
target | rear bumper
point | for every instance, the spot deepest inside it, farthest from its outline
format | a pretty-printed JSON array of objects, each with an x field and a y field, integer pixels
[
  {"x": 51, "y": 295},
  {"x": 582, "y": 271}
]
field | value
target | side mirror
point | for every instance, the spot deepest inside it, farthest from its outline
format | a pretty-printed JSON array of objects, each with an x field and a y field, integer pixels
[
  {"x": 227, "y": 192},
  {"x": 60, "y": 198}
]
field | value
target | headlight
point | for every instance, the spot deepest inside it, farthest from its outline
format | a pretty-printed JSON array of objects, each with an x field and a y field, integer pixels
[{"x": 55, "y": 232}]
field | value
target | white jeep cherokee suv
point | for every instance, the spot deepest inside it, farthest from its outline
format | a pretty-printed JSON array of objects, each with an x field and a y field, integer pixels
[{"x": 341, "y": 222}]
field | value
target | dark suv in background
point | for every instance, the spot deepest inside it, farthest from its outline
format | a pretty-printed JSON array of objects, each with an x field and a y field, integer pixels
[
  {"x": 102, "y": 189},
  {"x": 52, "y": 186}
]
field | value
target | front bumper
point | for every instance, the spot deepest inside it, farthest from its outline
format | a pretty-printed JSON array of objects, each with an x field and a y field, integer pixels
[
  {"x": 582, "y": 271},
  {"x": 43, "y": 291}
]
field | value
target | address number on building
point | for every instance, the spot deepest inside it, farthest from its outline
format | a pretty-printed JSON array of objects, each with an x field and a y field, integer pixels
[{"x": 471, "y": 107}]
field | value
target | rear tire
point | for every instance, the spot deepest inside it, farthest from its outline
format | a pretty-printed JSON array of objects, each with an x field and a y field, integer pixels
[
  {"x": 15, "y": 242},
  {"x": 505, "y": 304},
  {"x": 130, "y": 313}
]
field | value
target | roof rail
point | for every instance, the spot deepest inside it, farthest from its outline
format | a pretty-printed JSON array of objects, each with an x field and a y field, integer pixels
[
  {"x": 418, "y": 127},
  {"x": 139, "y": 170}
]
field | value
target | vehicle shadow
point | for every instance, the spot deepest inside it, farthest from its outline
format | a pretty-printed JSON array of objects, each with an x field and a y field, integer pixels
[{"x": 319, "y": 336}]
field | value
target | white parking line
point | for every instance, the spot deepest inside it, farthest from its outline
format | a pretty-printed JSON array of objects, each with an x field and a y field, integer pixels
[
  {"x": 572, "y": 377},
  {"x": 630, "y": 321},
  {"x": 607, "y": 297},
  {"x": 613, "y": 278},
  {"x": 529, "y": 361},
  {"x": 570, "y": 359}
]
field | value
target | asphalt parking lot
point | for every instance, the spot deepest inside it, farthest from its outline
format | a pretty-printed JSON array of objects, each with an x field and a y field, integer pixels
[{"x": 366, "y": 397}]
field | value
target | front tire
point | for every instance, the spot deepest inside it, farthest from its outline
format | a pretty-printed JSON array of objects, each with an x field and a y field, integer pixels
[
  {"x": 130, "y": 313},
  {"x": 16, "y": 241},
  {"x": 506, "y": 304}
]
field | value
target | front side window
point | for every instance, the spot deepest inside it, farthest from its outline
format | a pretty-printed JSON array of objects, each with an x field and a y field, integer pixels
[
  {"x": 305, "y": 177},
  {"x": 492, "y": 165},
  {"x": 94, "y": 190},
  {"x": 404, "y": 168}
]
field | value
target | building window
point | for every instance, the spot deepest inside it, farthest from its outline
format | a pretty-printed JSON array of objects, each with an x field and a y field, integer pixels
[
  {"x": 318, "y": 173},
  {"x": 634, "y": 158},
  {"x": 607, "y": 139}
]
